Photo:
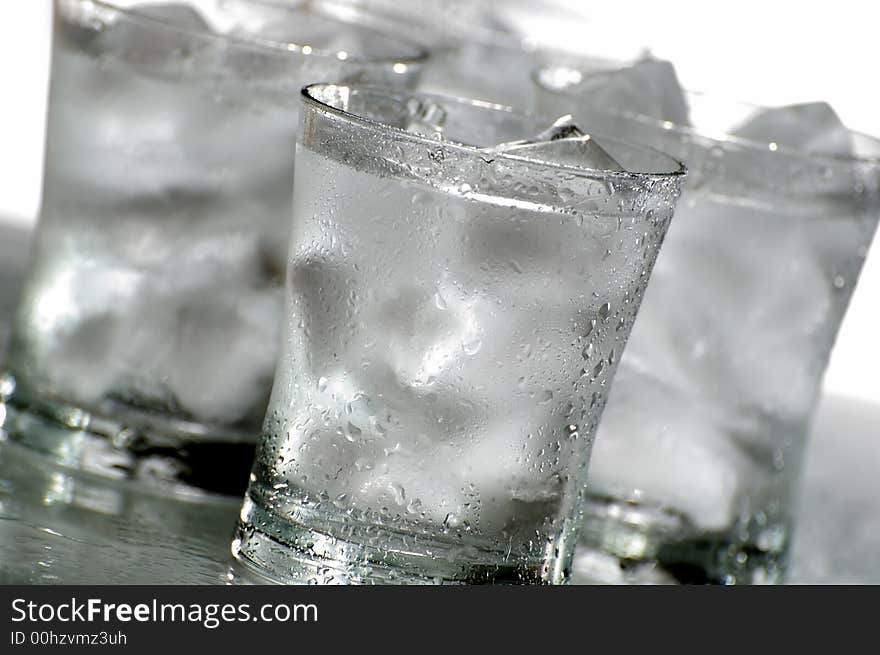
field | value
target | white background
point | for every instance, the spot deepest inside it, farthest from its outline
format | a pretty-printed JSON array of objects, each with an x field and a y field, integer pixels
[{"x": 757, "y": 50}]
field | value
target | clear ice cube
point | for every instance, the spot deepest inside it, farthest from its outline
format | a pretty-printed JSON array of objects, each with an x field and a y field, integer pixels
[
  {"x": 649, "y": 87},
  {"x": 425, "y": 117},
  {"x": 733, "y": 322},
  {"x": 693, "y": 467},
  {"x": 583, "y": 152},
  {"x": 810, "y": 127}
]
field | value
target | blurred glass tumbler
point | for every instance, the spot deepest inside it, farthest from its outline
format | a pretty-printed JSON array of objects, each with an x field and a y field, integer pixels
[
  {"x": 698, "y": 459},
  {"x": 476, "y": 49},
  {"x": 146, "y": 340},
  {"x": 454, "y": 318}
]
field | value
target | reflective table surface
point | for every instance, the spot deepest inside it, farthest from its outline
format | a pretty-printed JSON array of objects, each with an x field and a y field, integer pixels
[{"x": 59, "y": 526}]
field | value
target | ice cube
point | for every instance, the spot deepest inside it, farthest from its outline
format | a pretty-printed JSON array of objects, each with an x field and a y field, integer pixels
[
  {"x": 810, "y": 127},
  {"x": 413, "y": 428},
  {"x": 579, "y": 149},
  {"x": 734, "y": 307},
  {"x": 191, "y": 322},
  {"x": 562, "y": 128},
  {"x": 648, "y": 87},
  {"x": 425, "y": 117},
  {"x": 208, "y": 315},
  {"x": 152, "y": 48},
  {"x": 663, "y": 447},
  {"x": 79, "y": 302},
  {"x": 219, "y": 16},
  {"x": 585, "y": 152},
  {"x": 96, "y": 149},
  {"x": 517, "y": 478},
  {"x": 225, "y": 342}
]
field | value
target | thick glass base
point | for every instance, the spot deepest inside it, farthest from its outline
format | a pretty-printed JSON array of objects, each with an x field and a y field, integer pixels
[
  {"x": 625, "y": 543},
  {"x": 178, "y": 456},
  {"x": 289, "y": 552}
]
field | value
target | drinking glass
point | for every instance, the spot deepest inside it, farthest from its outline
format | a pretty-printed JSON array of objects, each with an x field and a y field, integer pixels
[
  {"x": 146, "y": 339},
  {"x": 699, "y": 455},
  {"x": 460, "y": 285}
]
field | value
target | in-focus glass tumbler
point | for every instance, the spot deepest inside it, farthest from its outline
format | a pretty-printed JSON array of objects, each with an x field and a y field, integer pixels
[
  {"x": 146, "y": 340},
  {"x": 697, "y": 462},
  {"x": 459, "y": 292}
]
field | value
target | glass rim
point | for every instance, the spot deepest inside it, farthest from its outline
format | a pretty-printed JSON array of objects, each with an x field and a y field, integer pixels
[
  {"x": 481, "y": 33},
  {"x": 490, "y": 34},
  {"x": 417, "y": 54},
  {"x": 720, "y": 138},
  {"x": 677, "y": 168}
]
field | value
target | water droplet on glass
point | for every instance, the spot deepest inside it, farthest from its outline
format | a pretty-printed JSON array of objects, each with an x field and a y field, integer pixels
[
  {"x": 472, "y": 347},
  {"x": 363, "y": 464},
  {"x": 322, "y": 384},
  {"x": 352, "y": 432},
  {"x": 398, "y": 492},
  {"x": 778, "y": 460},
  {"x": 377, "y": 426}
]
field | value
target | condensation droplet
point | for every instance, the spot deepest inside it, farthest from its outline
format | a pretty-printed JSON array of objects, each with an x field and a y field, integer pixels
[
  {"x": 778, "y": 460},
  {"x": 420, "y": 198},
  {"x": 352, "y": 432},
  {"x": 398, "y": 492},
  {"x": 472, "y": 347}
]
